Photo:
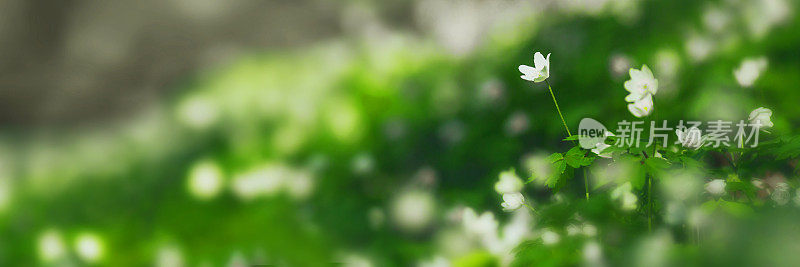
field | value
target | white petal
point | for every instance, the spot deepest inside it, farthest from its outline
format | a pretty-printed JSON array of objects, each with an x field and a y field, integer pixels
[
  {"x": 547, "y": 61},
  {"x": 646, "y": 72},
  {"x": 539, "y": 61},
  {"x": 633, "y": 97},
  {"x": 635, "y": 74},
  {"x": 634, "y": 86},
  {"x": 527, "y": 70},
  {"x": 642, "y": 107}
]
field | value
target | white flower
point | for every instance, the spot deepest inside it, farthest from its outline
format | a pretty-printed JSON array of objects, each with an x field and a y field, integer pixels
[
  {"x": 89, "y": 247},
  {"x": 690, "y": 138},
  {"x": 716, "y": 187},
  {"x": 573, "y": 230},
  {"x": 169, "y": 256},
  {"x": 589, "y": 230},
  {"x": 642, "y": 87},
  {"x": 413, "y": 210},
  {"x": 642, "y": 107},
  {"x": 480, "y": 226},
  {"x": 758, "y": 183},
  {"x": 508, "y": 183},
  {"x": 540, "y": 71},
  {"x": 781, "y": 193},
  {"x": 699, "y": 47},
  {"x": 51, "y": 246},
  {"x": 592, "y": 254},
  {"x": 550, "y": 237},
  {"x": 205, "y": 180},
  {"x": 641, "y": 83},
  {"x": 598, "y": 149},
  {"x": 749, "y": 70},
  {"x": 761, "y": 116},
  {"x": 512, "y": 201},
  {"x": 623, "y": 194},
  {"x": 437, "y": 261}
]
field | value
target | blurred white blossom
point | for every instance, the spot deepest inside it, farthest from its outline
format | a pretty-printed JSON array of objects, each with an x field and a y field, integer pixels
[
  {"x": 715, "y": 19},
  {"x": 51, "y": 246},
  {"x": 517, "y": 123},
  {"x": 592, "y": 254},
  {"x": 619, "y": 64},
  {"x": 781, "y": 193},
  {"x": 205, "y": 180},
  {"x": 690, "y": 138},
  {"x": 89, "y": 247},
  {"x": 512, "y": 201},
  {"x": 750, "y": 70},
  {"x": 413, "y": 210},
  {"x": 437, "y": 261},
  {"x": 599, "y": 148},
  {"x": 169, "y": 256},
  {"x": 508, "y": 182},
  {"x": 624, "y": 195},
  {"x": 538, "y": 166},
  {"x": 550, "y": 238},
  {"x": 761, "y": 116},
  {"x": 363, "y": 163},
  {"x": 716, "y": 187},
  {"x": 475, "y": 225},
  {"x": 699, "y": 47},
  {"x": 762, "y": 15}
]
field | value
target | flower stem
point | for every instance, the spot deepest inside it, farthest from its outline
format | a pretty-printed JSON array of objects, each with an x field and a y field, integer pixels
[
  {"x": 558, "y": 109},
  {"x": 586, "y": 182},
  {"x": 569, "y": 134},
  {"x": 650, "y": 203},
  {"x": 532, "y": 209}
]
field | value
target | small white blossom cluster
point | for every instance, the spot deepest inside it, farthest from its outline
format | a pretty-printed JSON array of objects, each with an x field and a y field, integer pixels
[
  {"x": 509, "y": 186},
  {"x": 87, "y": 245},
  {"x": 485, "y": 229},
  {"x": 271, "y": 178},
  {"x": 750, "y": 70},
  {"x": 642, "y": 87},
  {"x": 716, "y": 187}
]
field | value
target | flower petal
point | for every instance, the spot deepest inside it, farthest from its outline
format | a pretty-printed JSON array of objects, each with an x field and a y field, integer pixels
[
  {"x": 539, "y": 61},
  {"x": 527, "y": 70}
]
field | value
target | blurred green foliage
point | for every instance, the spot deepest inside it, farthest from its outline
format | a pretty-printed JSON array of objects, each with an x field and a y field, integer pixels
[{"x": 369, "y": 120}]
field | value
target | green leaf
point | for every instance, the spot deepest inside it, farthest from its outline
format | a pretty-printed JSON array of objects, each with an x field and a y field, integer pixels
[
  {"x": 587, "y": 161},
  {"x": 656, "y": 165},
  {"x": 638, "y": 178},
  {"x": 555, "y": 157},
  {"x": 558, "y": 180},
  {"x": 574, "y": 157},
  {"x": 571, "y": 138}
]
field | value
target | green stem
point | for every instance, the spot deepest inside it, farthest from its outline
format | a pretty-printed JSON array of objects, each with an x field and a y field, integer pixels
[
  {"x": 532, "y": 209},
  {"x": 569, "y": 134},
  {"x": 557, "y": 108},
  {"x": 650, "y": 203},
  {"x": 586, "y": 182}
]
